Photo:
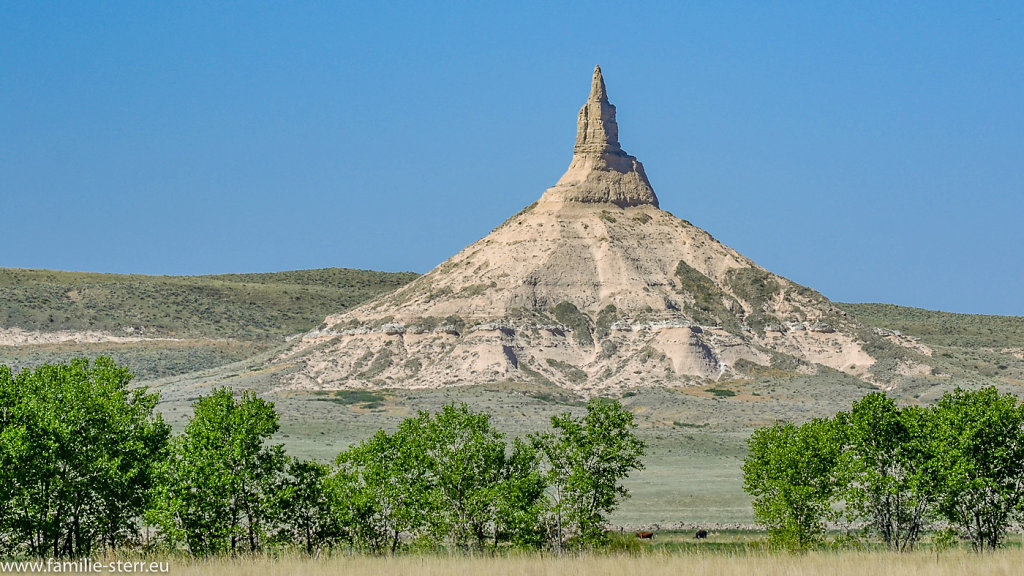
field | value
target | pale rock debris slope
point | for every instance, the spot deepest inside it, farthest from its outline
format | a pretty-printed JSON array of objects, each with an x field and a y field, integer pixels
[{"x": 592, "y": 288}]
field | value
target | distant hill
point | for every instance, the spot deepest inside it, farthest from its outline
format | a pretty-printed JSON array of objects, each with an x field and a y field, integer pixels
[
  {"x": 169, "y": 325},
  {"x": 242, "y": 306},
  {"x": 943, "y": 328},
  {"x": 964, "y": 347}
]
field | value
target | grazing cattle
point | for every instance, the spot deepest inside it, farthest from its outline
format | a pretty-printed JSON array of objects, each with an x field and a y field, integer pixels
[
  {"x": 701, "y": 534},
  {"x": 645, "y": 535}
]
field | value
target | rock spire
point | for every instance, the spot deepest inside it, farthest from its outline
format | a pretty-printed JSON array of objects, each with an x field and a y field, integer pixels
[{"x": 601, "y": 171}]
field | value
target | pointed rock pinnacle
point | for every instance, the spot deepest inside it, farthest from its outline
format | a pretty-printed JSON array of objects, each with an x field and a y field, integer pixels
[
  {"x": 596, "y": 130},
  {"x": 600, "y": 170},
  {"x": 597, "y": 90}
]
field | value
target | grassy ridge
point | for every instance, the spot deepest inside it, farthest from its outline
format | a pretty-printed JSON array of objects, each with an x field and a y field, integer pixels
[
  {"x": 966, "y": 346},
  {"x": 244, "y": 306},
  {"x": 943, "y": 328},
  {"x": 216, "y": 319},
  {"x": 147, "y": 360}
]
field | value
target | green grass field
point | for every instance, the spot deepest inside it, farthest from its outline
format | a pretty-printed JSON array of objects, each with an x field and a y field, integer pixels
[{"x": 696, "y": 439}]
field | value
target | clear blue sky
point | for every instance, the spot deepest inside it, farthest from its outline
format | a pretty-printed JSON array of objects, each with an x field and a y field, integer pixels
[{"x": 872, "y": 151}]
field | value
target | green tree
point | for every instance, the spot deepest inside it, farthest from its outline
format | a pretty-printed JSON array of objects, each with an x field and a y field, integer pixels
[
  {"x": 586, "y": 458},
  {"x": 306, "y": 506},
  {"x": 519, "y": 502},
  {"x": 14, "y": 455},
  {"x": 78, "y": 452},
  {"x": 790, "y": 471},
  {"x": 465, "y": 457},
  {"x": 979, "y": 440},
  {"x": 380, "y": 489},
  {"x": 447, "y": 478},
  {"x": 476, "y": 492},
  {"x": 218, "y": 487},
  {"x": 887, "y": 469}
]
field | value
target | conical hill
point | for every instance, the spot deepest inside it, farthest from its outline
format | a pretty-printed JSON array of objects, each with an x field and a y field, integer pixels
[{"x": 596, "y": 289}]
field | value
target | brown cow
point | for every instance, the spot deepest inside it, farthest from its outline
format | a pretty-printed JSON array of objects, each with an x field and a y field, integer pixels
[{"x": 645, "y": 535}]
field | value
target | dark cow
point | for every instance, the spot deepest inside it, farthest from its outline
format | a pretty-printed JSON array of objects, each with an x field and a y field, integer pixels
[
  {"x": 645, "y": 535},
  {"x": 701, "y": 534}
]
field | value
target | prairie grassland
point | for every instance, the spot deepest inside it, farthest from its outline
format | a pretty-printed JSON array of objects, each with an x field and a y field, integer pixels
[
  {"x": 242, "y": 306},
  {"x": 817, "y": 563}
]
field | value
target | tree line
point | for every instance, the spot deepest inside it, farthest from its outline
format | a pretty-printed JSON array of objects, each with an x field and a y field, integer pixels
[
  {"x": 899, "y": 472},
  {"x": 87, "y": 464}
]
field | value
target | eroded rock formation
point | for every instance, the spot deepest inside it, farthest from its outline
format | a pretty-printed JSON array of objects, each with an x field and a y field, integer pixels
[
  {"x": 592, "y": 288},
  {"x": 601, "y": 171}
]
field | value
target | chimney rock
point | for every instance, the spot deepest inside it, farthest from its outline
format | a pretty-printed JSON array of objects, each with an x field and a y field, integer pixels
[{"x": 601, "y": 171}]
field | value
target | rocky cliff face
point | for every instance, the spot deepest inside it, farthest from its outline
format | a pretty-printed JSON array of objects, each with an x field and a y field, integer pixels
[{"x": 592, "y": 288}]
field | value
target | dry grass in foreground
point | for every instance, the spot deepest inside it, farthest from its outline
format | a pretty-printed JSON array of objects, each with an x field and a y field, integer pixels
[{"x": 841, "y": 563}]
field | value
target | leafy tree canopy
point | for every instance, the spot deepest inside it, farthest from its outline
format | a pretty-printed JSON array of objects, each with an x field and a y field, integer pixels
[{"x": 78, "y": 451}]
